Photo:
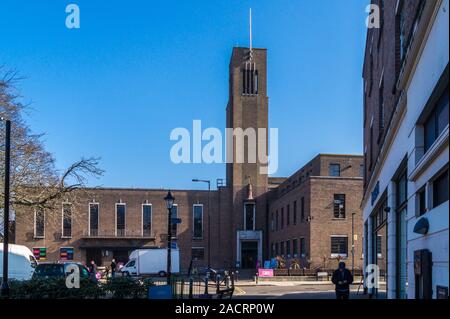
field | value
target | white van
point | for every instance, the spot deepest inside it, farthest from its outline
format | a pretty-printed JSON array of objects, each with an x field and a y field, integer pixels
[
  {"x": 151, "y": 262},
  {"x": 21, "y": 262}
]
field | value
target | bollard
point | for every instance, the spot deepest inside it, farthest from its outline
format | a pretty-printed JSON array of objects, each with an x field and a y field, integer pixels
[
  {"x": 206, "y": 285},
  {"x": 191, "y": 287},
  {"x": 218, "y": 284},
  {"x": 182, "y": 289}
]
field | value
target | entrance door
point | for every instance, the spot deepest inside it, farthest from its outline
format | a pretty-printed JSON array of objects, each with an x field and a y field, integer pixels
[
  {"x": 121, "y": 256},
  {"x": 249, "y": 254},
  {"x": 95, "y": 255}
]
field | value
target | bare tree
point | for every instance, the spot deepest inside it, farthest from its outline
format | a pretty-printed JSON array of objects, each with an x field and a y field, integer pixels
[{"x": 34, "y": 179}]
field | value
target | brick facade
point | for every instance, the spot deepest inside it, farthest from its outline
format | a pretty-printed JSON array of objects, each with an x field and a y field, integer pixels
[
  {"x": 313, "y": 186},
  {"x": 233, "y": 242},
  {"x": 383, "y": 60}
]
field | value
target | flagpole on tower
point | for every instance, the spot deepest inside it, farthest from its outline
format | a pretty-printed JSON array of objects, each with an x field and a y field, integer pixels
[{"x": 251, "y": 45}]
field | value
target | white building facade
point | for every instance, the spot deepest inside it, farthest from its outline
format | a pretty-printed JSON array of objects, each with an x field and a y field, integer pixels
[{"x": 406, "y": 207}]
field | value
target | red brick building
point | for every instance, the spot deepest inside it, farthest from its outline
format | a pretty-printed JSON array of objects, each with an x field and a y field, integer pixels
[
  {"x": 227, "y": 227},
  {"x": 311, "y": 213}
]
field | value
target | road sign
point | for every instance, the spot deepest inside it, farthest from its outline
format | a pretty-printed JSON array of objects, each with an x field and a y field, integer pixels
[{"x": 175, "y": 220}]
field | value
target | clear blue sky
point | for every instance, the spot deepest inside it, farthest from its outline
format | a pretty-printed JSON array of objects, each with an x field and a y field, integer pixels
[{"x": 116, "y": 87}]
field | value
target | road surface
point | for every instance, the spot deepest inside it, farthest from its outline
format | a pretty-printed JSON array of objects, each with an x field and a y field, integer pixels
[{"x": 292, "y": 291}]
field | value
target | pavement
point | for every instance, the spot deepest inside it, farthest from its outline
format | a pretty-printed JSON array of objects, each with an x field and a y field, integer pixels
[{"x": 293, "y": 290}]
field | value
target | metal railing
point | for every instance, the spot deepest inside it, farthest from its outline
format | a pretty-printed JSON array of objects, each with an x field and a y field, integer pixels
[{"x": 196, "y": 287}]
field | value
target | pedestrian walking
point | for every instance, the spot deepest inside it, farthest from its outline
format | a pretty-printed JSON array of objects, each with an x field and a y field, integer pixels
[
  {"x": 93, "y": 271},
  {"x": 342, "y": 278},
  {"x": 113, "y": 267}
]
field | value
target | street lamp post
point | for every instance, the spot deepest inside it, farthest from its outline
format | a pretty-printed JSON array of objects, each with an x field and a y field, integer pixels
[
  {"x": 209, "y": 219},
  {"x": 169, "y": 204},
  {"x": 4, "y": 286},
  {"x": 353, "y": 243}
]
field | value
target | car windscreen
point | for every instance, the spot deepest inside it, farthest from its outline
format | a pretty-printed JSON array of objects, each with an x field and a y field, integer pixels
[{"x": 49, "y": 270}]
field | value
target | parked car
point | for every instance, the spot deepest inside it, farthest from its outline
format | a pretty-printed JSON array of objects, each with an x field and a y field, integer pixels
[
  {"x": 21, "y": 262},
  {"x": 55, "y": 270},
  {"x": 151, "y": 262}
]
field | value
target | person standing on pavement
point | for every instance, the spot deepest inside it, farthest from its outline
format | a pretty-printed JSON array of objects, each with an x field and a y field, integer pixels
[
  {"x": 342, "y": 278},
  {"x": 93, "y": 271},
  {"x": 113, "y": 268}
]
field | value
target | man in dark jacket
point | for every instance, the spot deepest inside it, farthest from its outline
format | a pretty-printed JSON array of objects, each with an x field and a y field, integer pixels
[
  {"x": 342, "y": 278},
  {"x": 113, "y": 268}
]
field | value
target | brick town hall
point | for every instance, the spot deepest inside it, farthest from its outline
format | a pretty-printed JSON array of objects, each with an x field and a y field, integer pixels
[{"x": 251, "y": 218}]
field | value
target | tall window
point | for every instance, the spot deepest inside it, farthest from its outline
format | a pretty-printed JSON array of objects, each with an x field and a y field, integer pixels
[
  {"x": 295, "y": 212},
  {"x": 67, "y": 220},
  {"x": 282, "y": 218},
  {"x": 276, "y": 220},
  {"x": 381, "y": 108},
  {"x": 288, "y": 248},
  {"x": 120, "y": 219},
  {"x": 437, "y": 121},
  {"x": 295, "y": 247},
  {"x": 282, "y": 248},
  {"x": 93, "y": 219},
  {"x": 272, "y": 222},
  {"x": 146, "y": 220},
  {"x": 371, "y": 74},
  {"x": 288, "y": 215},
  {"x": 198, "y": 221},
  {"x": 249, "y": 216},
  {"x": 39, "y": 223},
  {"x": 371, "y": 148},
  {"x": 174, "y": 214},
  {"x": 440, "y": 189},
  {"x": 334, "y": 170},
  {"x": 302, "y": 209},
  {"x": 339, "y": 246},
  {"x": 421, "y": 207},
  {"x": 302, "y": 247},
  {"x": 250, "y": 79},
  {"x": 402, "y": 32},
  {"x": 339, "y": 206}
]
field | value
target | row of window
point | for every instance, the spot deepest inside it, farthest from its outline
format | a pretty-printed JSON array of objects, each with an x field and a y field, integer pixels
[
  {"x": 120, "y": 220},
  {"x": 277, "y": 224},
  {"x": 435, "y": 123},
  {"x": 334, "y": 170},
  {"x": 277, "y": 221},
  {"x": 338, "y": 247},
  {"x": 284, "y": 248}
]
